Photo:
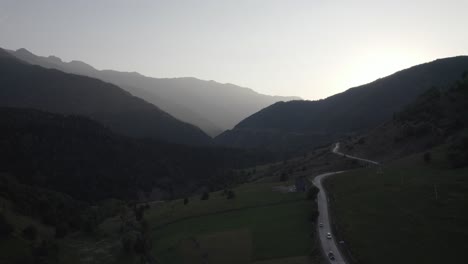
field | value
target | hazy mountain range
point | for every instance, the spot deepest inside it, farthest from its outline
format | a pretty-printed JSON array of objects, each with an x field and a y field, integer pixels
[
  {"x": 212, "y": 106},
  {"x": 29, "y": 86},
  {"x": 302, "y": 124}
]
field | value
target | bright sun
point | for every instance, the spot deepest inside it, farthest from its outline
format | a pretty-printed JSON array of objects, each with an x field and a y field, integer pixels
[{"x": 373, "y": 66}]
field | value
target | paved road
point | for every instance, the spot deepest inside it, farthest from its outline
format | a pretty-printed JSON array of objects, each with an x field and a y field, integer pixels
[
  {"x": 336, "y": 151},
  {"x": 324, "y": 216}
]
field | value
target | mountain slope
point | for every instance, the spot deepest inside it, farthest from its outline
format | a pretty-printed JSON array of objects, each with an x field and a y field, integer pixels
[
  {"x": 437, "y": 117},
  {"x": 357, "y": 109},
  {"x": 212, "y": 106},
  {"x": 80, "y": 157},
  {"x": 25, "y": 85}
]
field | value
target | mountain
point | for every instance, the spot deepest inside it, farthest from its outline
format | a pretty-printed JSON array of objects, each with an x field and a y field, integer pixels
[
  {"x": 212, "y": 106},
  {"x": 80, "y": 157},
  {"x": 31, "y": 86},
  {"x": 438, "y": 116},
  {"x": 297, "y": 125}
]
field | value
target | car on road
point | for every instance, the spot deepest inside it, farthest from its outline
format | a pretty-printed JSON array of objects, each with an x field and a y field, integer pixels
[
  {"x": 329, "y": 235},
  {"x": 321, "y": 224},
  {"x": 331, "y": 256}
]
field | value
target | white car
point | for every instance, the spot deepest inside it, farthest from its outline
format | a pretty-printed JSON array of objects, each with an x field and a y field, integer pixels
[{"x": 329, "y": 235}]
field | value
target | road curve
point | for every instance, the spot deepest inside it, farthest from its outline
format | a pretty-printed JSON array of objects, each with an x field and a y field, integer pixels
[
  {"x": 324, "y": 216},
  {"x": 336, "y": 151}
]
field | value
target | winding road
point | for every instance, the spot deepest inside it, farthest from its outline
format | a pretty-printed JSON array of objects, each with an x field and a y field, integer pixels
[{"x": 324, "y": 216}]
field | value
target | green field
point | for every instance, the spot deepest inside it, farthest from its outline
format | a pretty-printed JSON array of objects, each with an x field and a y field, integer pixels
[
  {"x": 247, "y": 195},
  {"x": 415, "y": 212},
  {"x": 259, "y": 224},
  {"x": 263, "y": 224}
]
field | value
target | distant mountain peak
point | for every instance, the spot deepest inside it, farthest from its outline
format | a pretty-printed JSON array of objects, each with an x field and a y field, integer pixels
[
  {"x": 54, "y": 59},
  {"x": 4, "y": 53},
  {"x": 24, "y": 51},
  {"x": 82, "y": 65}
]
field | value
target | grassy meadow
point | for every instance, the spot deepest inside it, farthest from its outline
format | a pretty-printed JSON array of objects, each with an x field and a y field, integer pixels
[
  {"x": 415, "y": 212},
  {"x": 261, "y": 223}
]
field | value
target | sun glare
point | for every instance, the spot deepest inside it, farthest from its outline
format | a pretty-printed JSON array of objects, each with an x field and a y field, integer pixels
[{"x": 371, "y": 67}]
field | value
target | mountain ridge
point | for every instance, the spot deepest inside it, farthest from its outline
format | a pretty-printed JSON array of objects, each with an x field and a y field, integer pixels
[
  {"x": 32, "y": 86},
  {"x": 210, "y": 105},
  {"x": 438, "y": 116},
  {"x": 351, "y": 111}
]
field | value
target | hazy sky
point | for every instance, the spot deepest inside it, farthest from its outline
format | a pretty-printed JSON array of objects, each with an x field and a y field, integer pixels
[{"x": 312, "y": 48}]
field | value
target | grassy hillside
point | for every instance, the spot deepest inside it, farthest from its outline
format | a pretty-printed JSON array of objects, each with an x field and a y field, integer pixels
[{"x": 415, "y": 212}]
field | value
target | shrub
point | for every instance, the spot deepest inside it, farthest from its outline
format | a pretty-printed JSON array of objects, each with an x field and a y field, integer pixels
[
  {"x": 61, "y": 230},
  {"x": 30, "y": 233},
  {"x": 5, "y": 228},
  {"x": 313, "y": 215},
  {"x": 283, "y": 177},
  {"x": 231, "y": 195},
  {"x": 140, "y": 246},
  {"x": 139, "y": 212},
  {"x": 312, "y": 193},
  {"x": 128, "y": 242},
  {"x": 46, "y": 252},
  {"x": 457, "y": 153},
  {"x": 186, "y": 200},
  {"x": 205, "y": 196},
  {"x": 427, "y": 157}
]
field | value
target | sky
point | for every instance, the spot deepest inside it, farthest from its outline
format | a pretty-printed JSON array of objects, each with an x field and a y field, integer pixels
[{"x": 308, "y": 48}]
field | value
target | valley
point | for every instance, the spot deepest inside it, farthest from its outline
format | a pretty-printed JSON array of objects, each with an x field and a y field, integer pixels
[{"x": 233, "y": 132}]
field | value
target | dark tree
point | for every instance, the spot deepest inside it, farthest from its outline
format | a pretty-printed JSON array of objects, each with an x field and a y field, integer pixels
[
  {"x": 313, "y": 215},
  {"x": 128, "y": 242},
  {"x": 231, "y": 195},
  {"x": 139, "y": 212},
  {"x": 140, "y": 246},
  {"x": 312, "y": 193},
  {"x": 427, "y": 157},
  {"x": 45, "y": 252},
  {"x": 283, "y": 177},
  {"x": 5, "y": 228},
  {"x": 186, "y": 200},
  {"x": 457, "y": 153},
  {"x": 61, "y": 230},
  {"x": 30, "y": 233},
  {"x": 205, "y": 196}
]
